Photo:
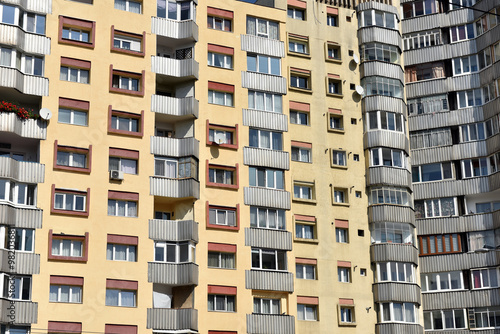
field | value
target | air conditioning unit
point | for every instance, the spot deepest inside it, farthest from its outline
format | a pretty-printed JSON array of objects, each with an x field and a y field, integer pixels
[{"x": 116, "y": 175}]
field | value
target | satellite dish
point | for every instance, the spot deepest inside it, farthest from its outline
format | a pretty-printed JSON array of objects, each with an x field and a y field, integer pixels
[
  {"x": 45, "y": 113},
  {"x": 220, "y": 138},
  {"x": 360, "y": 90},
  {"x": 355, "y": 58}
]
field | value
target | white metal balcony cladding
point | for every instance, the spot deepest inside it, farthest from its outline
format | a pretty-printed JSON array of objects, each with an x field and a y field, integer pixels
[
  {"x": 461, "y": 299},
  {"x": 378, "y": 34},
  {"x": 385, "y": 103},
  {"x": 173, "y": 230},
  {"x": 440, "y": 52},
  {"x": 268, "y": 280},
  {"x": 175, "y": 67},
  {"x": 442, "y": 85},
  {"x": 39, "y": 6},
  {"x": 378, "y": 6},
  {"x": 26, "y": 263},
  {"x": 488, "y": 38},
  {"x": 446, "y": 119},
  {"x": 20, "y": 217},
  {"x": 175, "y": 106},
  {"x": 379, "y": 68},
  {"x": 31, "y": 43},
  {"x": 261, "y": 45},
  {"x": 404, "y": 292},
  {"x": 265, "y": 120},
  {"x": 176, "y": 188},
  {"x": 175, "y": 147},
  {"x": 174, "y": 29},
  {"x": 172, "y": 319},
  {"x": 27, "y": 84},
  {"x": 266, "y": 238},
  {"x": 458, "y": 224},
  {"x": 30, "y": 128},
  {"x": 394, "y": 252},
  {"x": 439, "y": 20},
  {"x": 253, "y": 156},
  {"x": 388, "y": 176},
  {"x": 270, "y": 324},
  {"x": 263, "y": 82},
  {"x": 391, "y": 213},
  {"x": 384, "y": 138},
  {"x": 462, "y": 261},
  {"x": 476, "y": 185},
  {"x": 173, "y": 273},
  {"x": 270, "y": 198},
  {"x": 25, "y": 312},
  {"x": 22, "y": 171},
  {"x": 381, "y": 328},
  {"x": 489, "y": 74}
]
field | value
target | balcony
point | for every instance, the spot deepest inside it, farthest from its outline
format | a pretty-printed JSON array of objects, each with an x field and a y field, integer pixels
[
  {"x": 398, "y": 328},
  {"x": 391, "y": 213},
  {"x": 388, "y": 176},
  {"x": 22, "y": 171},
  {"x": 263, "y": 82},
  {"x": 173, "y": 273},
  {"x": 24, "y": 263},
  {"x": 177, "y": 68},
  {"x": 175, "y": 188},
  {"x": 173, "y": 230},
  {"x": 254, "y": 156},
  {"x": 459, "y": 224},
  {"x": 18, "y": 312},
  {"x": 175, "y": 147},
  {"x": 269, "y": 280},
  {"x": 380, "y": 102},
  {"x": 262, "y": 45},
  {"x": 187, "y": 30},
  {"x": 173, "y": 319},
  {"x": 30, "y": 128},
  {"x": 379, "y": 34},
  {"x": 403, "y": 292},
  {"x": 394, "y": 252},
  {"x": 386, "y": 138},
  {"x": 172, "y": 106},
  {"x": 461, "y": 261},
  {"x": 25, "y": 83},
  {"x": 265, "y": 120},
  {"x": 271, "y": 198},
  {"x": 27, "y": 42},
  {"x": 267, "y": 238},
  {"x": 20, "y": 217},
  {"x": 39, "y": 6},
  {"x": 270, "y": 324},
  {"x": 460, "y": 299},
  {"x": 383, "y": 69}
]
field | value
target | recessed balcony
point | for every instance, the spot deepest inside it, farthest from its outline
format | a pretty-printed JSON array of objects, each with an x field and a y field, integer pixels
[
  {"x": 173, "y": 106},
  {"x": 25, "y": 83},
  {"x": 176, "y": 68},
  {"x": 173, "y": 319},
  {"x": 174, "y": 188},
  {"x": 186, "y": 30},
  {"x": 22, "y": 171},
  {"x": 175, "y": 147}
]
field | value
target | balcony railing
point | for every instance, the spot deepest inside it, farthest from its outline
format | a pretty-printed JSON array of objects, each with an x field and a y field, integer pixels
[
  {"x": 271, "y": 198},
  {"x": 175, "y": 188},
  {"x": 263, "y": 82},
  {"x": 30, "y": 128},
  {"x": 254, "y": 156},
  {"x": 172, "y": 319},
  {"x": 187, "y": 106},
  {"x": 39, "y": 6},
  {"x": 269, "y": 280},
  {"x": 25, "y": 83},
  {"x": 28, "y": 42},
  {"x": 173, "y": 230},
  {"x": 175, "y": 147},
  {"x": 24, "y": 263},
  {"x": 262, "y": 45},
  {"x": 175, "y": 29},
  {"x": 178, "y": 68},
  {"x": 270, "y": 324},
  {"x": 22, "y": 171},
  {"x": 173, "y": 273},
  {"x": 268, "y": 238},
  {"x": 18, "y": 312}
]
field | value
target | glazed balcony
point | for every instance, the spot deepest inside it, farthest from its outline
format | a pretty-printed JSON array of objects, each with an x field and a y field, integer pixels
[
  {"x": 24, "y": 263},
  {"x": 30, "y": 128},
  {"x": 269, "y": 280},
  {"x": 174, "y": 188},
  {"x": 175, "y": 147},
  {"x": 23, "y": 312},
  {"x": 27, "y": 42},
  {"x": 172, "y": 319},
  {"x": 22, "y": 171},
  {"x": 180, "y": 30},
  {"x": 270, "y": 324},
  {"x": 173, "y": 230},
  {"x": 177, "y": 68},
  {"x": 172, "y": 106},
  {"x": 253, "y": 156},
  {"x": 25, "y": 83}
]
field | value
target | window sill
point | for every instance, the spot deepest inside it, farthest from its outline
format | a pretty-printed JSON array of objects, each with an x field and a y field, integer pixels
[
  {"x": 88, "y": 45},
  {"x": 230, "y": 146},
  {"x": 303, "y": 90},
  {"x": 339, "y": 131},
  {"x": 304, "y": 200},
  {"x": 307, "y": 241},
  {"x": 338, "y": 166},
  {"x": 125, "y": 133},
  {"x": 128, "y": 52},
  {"x": 347, "y": 324},
  {"x": 339, "y": 96},
  {"x": 72, "y": 169},
  {"x": 223, "y": 227},
  {"x": 334, "y": 60},
  {"x": 341, "y": 204},
  {"x": 305, "y": 162},
  {"x": 223, "y": 68},
  {"x": 66, "y": 258},
  {"x": 222, "y": 185},
  {"x": 299, "y": 54},
  {"x": 69, "y": 212},
  {"x": 126, "y": 91}
]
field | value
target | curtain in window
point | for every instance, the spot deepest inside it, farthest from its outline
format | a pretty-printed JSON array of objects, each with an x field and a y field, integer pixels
[
  {"x": 64, "y": 294},
  {"x": 281, "y": 219},
  {"x": 5, "y": 56},
  {"x": 211, "y": 302},
  {"x": 220, "y": 303},
  {"x": 213, "y": 259},
  {"x": 132, "y": 209},
  {"x": 120, "y": 252},
  {"x": 77, "y": 248},
  {"x": 66, "y": 248},
  {"x": 111, "y": 207},
  {"x": 231, "y": 218},
  {"x": 277, "y": 141},
  {"x": 227, "y": 260},
  {"x": 304, "y": 155},
  {"x": 172, "y": 10},
  {"x": 398, "y": 311},
  {"x": 219, "y": 98},
  {"x": 271, "y": 218},
  {"x": 120, "y": 4},
  {"x": 221, "y": 217},
  {"x": 251, "y": 26},
  {"x": 262, "y": 218},
  {"x": 273, "y": 30},
  {"x": 53, "y": 293},
  {"x": 112, "y": 297},
  {"x": 228, "y": 177},
  {"x": 310, "y": 312},
  {"x": 254, "y": 139},
  {"x": 256, "y": 305},
  {"x": 127, "y": 298},
  {"x": 109, "y": 252},
  {"x": 309, "y": 272},
  {"x": 308, "y": 232},
  {"x": 134, "y": 7},
  {"x": 230, "y": 303},
  {"x": 121, "y": 208},
  {"x": 76, "y": 294},
  {"x": 266, "y": 306},
  {"x": 212, "y": 216},
  {"x": 409, "y": 313}
]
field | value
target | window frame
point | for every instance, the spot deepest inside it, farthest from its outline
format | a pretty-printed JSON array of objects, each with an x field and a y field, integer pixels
[
  {"x": 128, "y": 250},
  {"x": 69, "y": 65},
  {"x": 276, "y": 253},
  {"x": 255, "y": 212},
  {"x": 399, "y": 269},
  {"x": 71, "y": 293},
  {"x": 163, "y": 246},
  {"x": 225, "y": 57},
  {"x": 400, "y": 193},
  {"x": 436, "y": 238},
  {"x": 61, "y": 191},
  {"x": 127, "y": 6},
  {"x": 298, "y": 149},
  {"x": 224, "y": 16},
  {"x": 120, "y": 292},
  {"x": 12, "y": 193},
  {"x": 304, "y": 190},
  {"x": 302, "y": 311},
  {"x": 75, "y": 24},
  {"x": 121, "y": 35},
  {"x": 455, "y": 32},
  {"x": 340, "y": 196},
  {"x": 296, "y": 75},
  {"x": 73, "y": 150},
  {"x": 335, "y": 161},
  {"x": 13, "y": 284},
  {"x": 130, "y": 76},
  {"x": 275, "y": 137},
  {"x": 334, "y": 85},
  {"x": 391, "y": 315},
  {"x": 294, "y": 41},
  {"x": 272, "y": 305},
  {"x": 226, "y": 225},
  {"x": 258, "y": 24},
  {"x": 439, "y": 277},
  {"x": 295, "y": 117},
  {"x": 343, "y": 274},
  {"x": 127, "y": 198},
  {"x": 276, "y": 101},
  {"x": 292, "y": 13},
  {"x": 225, "y": 298},
  {"x": 73, "y": 106},
  {"x": 391, "y": 120},
  {"x": 222, "y": 128},
  {"x": 342, "y": 235},
  {"x": 125, "y": 115},
  {"x": 219, "y": 259},
  {"x": 380, "y": 157},
  {"x": 330, "y": 55},
  {"x": 417, "y": 172},
  {"x": 258, "y": 59},
  {"x": 234, "y": 184},
  {"x": 302, "y": 267},
  {"x": 83, "y": 239},
  {"x": 431, "y": 316}
]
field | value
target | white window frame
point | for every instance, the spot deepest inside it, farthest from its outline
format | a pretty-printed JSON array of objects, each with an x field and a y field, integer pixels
[
  {"x": 391, "y": 121},
  {"x": 271, "y": 64},
  {"x": 378, "y": 85},
  {"x": 347, "y": 314},
  {"x": 389, "y": 231},
  {"x": 12, "y": 192},
  {"x": 127, "y": 83},
  {"x": 191, "y": 249},
  {"x": 273, "y": 304},
  {"x": 127, "y": 5},
  {"x": 223, "y": 21},
  {"x": 300, "y": 230},
  {"x": 279, "y": 218},
  {"x": 271, "y": 102},
  {"x": 467, "y": 3},
  {"x": 378, "y": 153},
  {"x": 295, "y": 81},
  {"x": 258, "y": 23},
  {"x": 73, "y": 206},
  {"x": 228, "y": 98},
  {"x": 466, "y": 28},
  {"x": 178, "y": 10},
  {"x": 128, "y": 205},
  {"x": 302, "y": 191},
  {"x": 339, "y": 196},
  {"x": 29, "y": 65},
  {"x": 227, "y": 174},
  {"x": 469, "y": 170},
  {"x": 135, "y": 43},
  {"x": 301, "y": 154},
  {"x": 120, "y": 292},
  {"x": 344, "y": 274},
  {"x": 227, "y": 60},
  {"x": 470, "y": 98},
  {"x": 215, "y": 299},
  {"x": 73, "y": 291},
  {"x": 12, "y": 286},
  {"x": 431, "y": 315},
  {"x": 120, "y": 167},
  {"x": 363, "y": 20},
  {"x": 422, "y": 39},
  {"x": 400, "y": 194},
  {"x": 227, "y": 213},
  {"x": 439, "y": 278},
  {"x": 339, "y": 158},
  {"x": 167, "y": 161},
  {"x": 115, "y": 123},
  {"x": 273, "y": 178},
  {"x": 260, "y": 134},
  {"x": 332, "y": 20},
  {"x": 71, "y": 158},
  {"x": 302, "y": 272},
  {"x": 23, "y": 246},
  {"x": 11, "y": 60},
  {"x": 129, "y": 250},
  {"x": 304, "y": 310},
  {"x": 483, "y": 316},
  {"x": 425, "y": 9},
  {"x": 67, "y": 72},
  {"x": 342, "y": 235},
  {"x": 80, "y": 35},
  {"x": 460, "y": 64},
  {"x": 417, "y": 171},
  {"x": 391, "y": 316},
  {"x": 405, "y": 269},
  {"x": 219, "y": 259},
  {"x": 73, "y": 245},
  {"x": 274, "y": 252},
  {"x": 295, "y": 117},
  {"x": 72, "y": 116},
  {"x": 293, "y": 46},
  {"x": 229, "y": 140},
  {"x": 296, "y": 13}
]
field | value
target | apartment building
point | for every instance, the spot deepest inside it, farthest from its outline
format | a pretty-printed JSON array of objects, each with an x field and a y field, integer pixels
[{"x": 451, "y": 53}]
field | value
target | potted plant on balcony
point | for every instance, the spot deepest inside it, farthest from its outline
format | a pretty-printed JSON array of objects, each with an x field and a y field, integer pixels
[{"x": 22, "y": 113}]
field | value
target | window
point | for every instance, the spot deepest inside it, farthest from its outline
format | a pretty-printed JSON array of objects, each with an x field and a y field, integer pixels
[
  {"x": 221, "y": 260},
  {"x": 65, "y": 293},
  {"x": 122, "y": 298},
  {"x": 340, "y": 196},
  {"x": 126, "y": 42},
  {"x": 219, "y": 19},
  {"x": 429, "y": 104},
  {"x": 445, "y": 319},
  {"x": 342, "y": 235},
  {"x": 262, "y": 28},
  {"x": 298, "y": 117},
  {"x": 227, "y": 135},
  {"x": 305, "y": 230},
  {"x": 487, "y": 317},
  {"x": 344, "y": 274},
  {"x": 398, "y": 233},
  {"x": 303, "y": 191},
  {"x": 377, "y": 18},
  {"x": 389, "y": 195},
  {"x": 74, "y": 74},
  {"x": 339, "y": 158},
  {"x": 75, "y": 35},
  {"x": 382, "y": 86},
  {"x": 380, "y": 52},
  {"x": 220, "y": 60},
  {"x": 470, "y": 98},
  {"x": 396, "y": 272},
  {"x": 398, "y": 312},
  {"x": 305, "y": 271},
  {"x": 268, "y": 259},
  {"x": 462, "y": 32},
  {"x": 266, "y": 139},
  {"x": 266, "y": 306},
  {"x": 347, "y": 314},
  {"x": 267, "y": 178},
  {"x": 125, "y": 123},
  {"x": 298, "y": 44},
  {"x": 70, "y": 202},
  {"x": 129, "y": 6},
  {"x": 24, "y": 239},
  {"x": 68, "y": 247},
  {"x": 7, "y": 57},
  {"x": 432, "y": 172},
  {"x": 128, "y": 166},
  {"x": 264, "y": 101},
  {"x": 297, "y": 13},
  {"x": 483, "y": 240},
  {"x": 300, "y": 79},
  {"x": 72, "y": 158},
  {"x": 438, "y": 207},
  {"x": 376, "y": 120},
  {"x": 221, "y": 303},
  {"x": 465, "y": 65},
  {"x": 220, "y": 98},
  {"x": 422, "y": 39},
  {"x": 267, "y": 218},
  {"x": 307, "y": 312},
  {"x": 76, "y": 32},
  {"x": 15, "y": 329},
  {"x": 34, "y": 23},
  {"x": 458, "y": 4},
  {"x": 17, "y": 193},
  {"x": 333, "y": 52},
  {"x": 125, "y": 83},
  {"x": 440, "y": 244},
  {"x": 336, "y": 122},
  {"x": 334, "y": 85},
  {"x": 222, "y": 216},
  {"x": 487, "y": 207},
  {"x": 173, "y": 10},
  {"x": 16, "y": 287},
  {"x": 418, "y": 8},
  {"x": 118, "y": 252},
  {"x": 122, "y": 208},
  {"x": 475, "y": 167},
  {"x": 8, "y": 14},
  {"x": 222, "y": 176},
  {"x": 387, "y": 157},
  {"x": 71, "y": 116},
  {"x": 443, "y": 281},
  {"x": 263, "y": 64},
  {"x": 302, "y": 154},
  {"x": 179, "y": 168},
  {"x": 174, "y": 252},
  {"x": 33, "y": 65}
]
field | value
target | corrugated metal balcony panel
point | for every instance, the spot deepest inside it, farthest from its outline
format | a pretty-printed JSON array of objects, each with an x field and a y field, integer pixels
[
  {"x": 265, "y": 120},
  {"x": 20, "y": 217},
  {"x": 175, "y": 147},
  {"x": 173, "y": 273},
  {"x": 461, "y": 299},
  {"x": 385, "y": 103},
  {"x": 394, "y": 252},
  {"x": 459, "y": 224},
  {"x": 187, "y": 106},
  {"x": 178, "y": 68},
  {"x": 26, "y": 84},
  {"x": 447, "y": 153},
  {"x": 266, "y": 238},
  {"x": 261, "y": 45},
  {"x": 176, "y": 188},
  {"x": 271, "y": 198},
  {"x": 379, "y": 6},
  {"x": 399, "y": 328},
  {"x": 30, "y": 128},
  {"x": 442, "y": 85},
  {"x": 491, "y": 109},
  {"x": 382, "y": 35},
  {"x": 263, "y": 82},
  {"x": 489, "y": 74},
  {"x": 488, "y": 38},
  {"x": 253, "y": 156},
  {"x": 402, "y": 292},
  {"x": 386, "y": 138},
  {"x": 440, "y": 52},
  {"x": 174, "y": 29},
  {"x": 269, "y": 280},
  {"x": 391, "y": 213},
  {"x": 173, "y": 230},
  {"x": 379, "y": 68},
  {"x": 388, "y": 176},
  {"x": 270, "y": 324},
  {"x": 23, "y": 312},
  {"x": 22, "y": 171},
  {"x": 484, "y": 6},
  {"x": 439, "y": 20},
  {"x": 39, "y": 6},
  {"x": 452, "y": 188},
  {"x": 27, "y": 42},
  {"x": 445, "y": 119},
  {"x": 461, "y": 261},
  {"x": 172, "y": 319},
  {"x": 25, "y": 263}
]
